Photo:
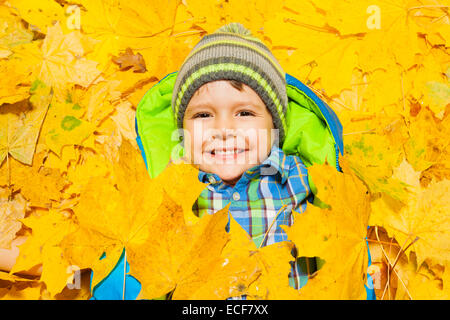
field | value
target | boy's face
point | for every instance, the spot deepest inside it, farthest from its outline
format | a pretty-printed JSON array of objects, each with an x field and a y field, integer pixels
[{"x": 229, "y": 130}]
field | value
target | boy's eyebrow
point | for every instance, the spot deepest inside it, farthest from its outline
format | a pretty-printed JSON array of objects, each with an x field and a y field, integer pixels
[
  {"x": 192, "y": 108},
  {"x": 199, "y": 105},
  {"x": 235, "y": 105}
]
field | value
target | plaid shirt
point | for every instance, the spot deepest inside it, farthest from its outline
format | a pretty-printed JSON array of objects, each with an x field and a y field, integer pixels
[{"x": 262, "y": 201}]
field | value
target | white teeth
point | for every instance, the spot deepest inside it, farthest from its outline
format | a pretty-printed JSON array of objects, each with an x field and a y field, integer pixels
[{"x": 228, "y": 152}]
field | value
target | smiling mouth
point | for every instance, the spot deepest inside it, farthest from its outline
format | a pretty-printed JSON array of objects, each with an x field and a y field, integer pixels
[{"x": 226, "y": 152}]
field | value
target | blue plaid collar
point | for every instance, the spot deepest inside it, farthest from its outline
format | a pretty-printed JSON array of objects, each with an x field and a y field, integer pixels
[{"x": 275, "y": 164}]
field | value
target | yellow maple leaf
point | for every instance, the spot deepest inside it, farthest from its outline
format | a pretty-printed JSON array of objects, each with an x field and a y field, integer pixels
[
  {"x": 99, "y": 101},
  {"x": 15, "y": 87},
  {"x": 69, "y": 154},
  {"x": 90, "y": 165},
  {"x": 207, "y": 15},
  {"x": 386, "y": 99},
  {"x": 124, "y": 117},
  {"x": 107, "y": 139},
  {"x": 212, "y": 15},
  {"x": 192, "y": 260},
  {"x": 423, "y": 282},
  {"x": 424, "y": 150},
  {"x": 42, "y": 247},
  {"x": 240, "y": 267},
  {"x": 10, "y": 213},
  {"x": 113, "y": 213},
  {"x": 438, "y": 95},
  {"x": 273, "y": 284},
  {"x": 333, "y": 233},
  {"x": 126, "y": 25},
  {"x": 5, "y": 276},
  {"x": 422, "y": 225},
  {"x": 132, "y": 85},
  {"x": 38, "y": 184},
  {"x": 12, "y": 31},
  {"x": 392, "y": 20},
  {"x": 430, "y": 82},
  {"x": 64, "y": 126},
  {"x": 351, "y": 98},
  {"x": 31, "y": 291},
  {"x": 387, "y": 90},
  {"x": 40, "y": 15},
  {"x": 171, "y": 247},
  {"x": 18, "y": 134},
  {"x": 58, "y": 60},
  {"x": 79, "y": 290},
  {"x": 374, "y": 146},
  {"x": 133, "y": 215},
  {"x": 323, "y": 51},
  {"x": 182, "y": 173}
]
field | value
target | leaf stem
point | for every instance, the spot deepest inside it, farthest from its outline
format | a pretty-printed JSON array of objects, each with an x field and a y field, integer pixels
[
  {"x": 124, "y": 273},
  {"x": 274, "y": 219},
  {"x": 438, "y": 18},
  {"x": 7, "y": 163},
  {"x": 428, "y": 6},
  {"x": 387, "y": 258},
  {"x": 398, "y": 255},
  {"x": 388, "y": 243},
  {"x": 372, "y": 131}
]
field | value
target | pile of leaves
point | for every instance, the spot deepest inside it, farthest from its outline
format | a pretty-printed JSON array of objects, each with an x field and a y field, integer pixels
[{"x": 74, "y": 185}]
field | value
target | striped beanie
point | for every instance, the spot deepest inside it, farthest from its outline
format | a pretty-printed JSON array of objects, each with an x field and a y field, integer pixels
[{"x": 232, "y": 53}]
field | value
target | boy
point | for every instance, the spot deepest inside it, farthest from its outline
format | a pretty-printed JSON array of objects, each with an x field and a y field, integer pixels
[{"x": 230, "y": 99}]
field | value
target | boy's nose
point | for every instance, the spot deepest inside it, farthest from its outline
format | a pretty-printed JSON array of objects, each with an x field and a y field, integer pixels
[
  {"x": 224, "y": 127},
  {"x": 223, "y": 133}
]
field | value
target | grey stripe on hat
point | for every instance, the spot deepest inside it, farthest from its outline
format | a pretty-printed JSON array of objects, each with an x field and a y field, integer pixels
[{"x": 213, "y": 37}]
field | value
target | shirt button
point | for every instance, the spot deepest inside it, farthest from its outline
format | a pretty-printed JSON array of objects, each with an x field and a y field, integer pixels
[
  {"x": 212, "y": 179},
  {"x": 236, "y": 196}
]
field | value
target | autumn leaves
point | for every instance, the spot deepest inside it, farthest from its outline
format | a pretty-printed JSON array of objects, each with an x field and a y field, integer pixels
[
  {"x": 128, "y": 210},
  {"x": 67, "y": 104}
]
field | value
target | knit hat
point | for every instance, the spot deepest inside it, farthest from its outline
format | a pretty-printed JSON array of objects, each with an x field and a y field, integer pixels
[{"x": 233, "y": 53}]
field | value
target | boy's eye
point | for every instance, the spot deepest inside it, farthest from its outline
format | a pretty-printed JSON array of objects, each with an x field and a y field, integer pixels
[
  {"x": 201, "y": 115},
  {"x": 245, "y": 113}
]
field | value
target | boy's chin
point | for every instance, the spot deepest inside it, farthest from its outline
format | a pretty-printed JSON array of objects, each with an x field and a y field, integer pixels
[{"x": 229, "y": 174}]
